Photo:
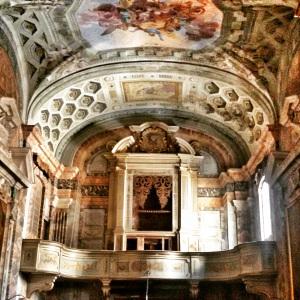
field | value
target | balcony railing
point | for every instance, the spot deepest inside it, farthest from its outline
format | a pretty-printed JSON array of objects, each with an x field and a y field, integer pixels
[{"x": 50, "y": 258}]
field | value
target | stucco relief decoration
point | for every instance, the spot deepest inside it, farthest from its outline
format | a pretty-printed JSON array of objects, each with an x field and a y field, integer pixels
[
  {"x": 154, "y": 140},
  {"x": 136, "y": 23},
  {"x": 9, "y": 122},
  {"x": 143, "y": 185}
]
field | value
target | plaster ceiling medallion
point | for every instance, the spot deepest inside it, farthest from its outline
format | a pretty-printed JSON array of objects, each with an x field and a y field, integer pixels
[{"x": 115, "y": 24}]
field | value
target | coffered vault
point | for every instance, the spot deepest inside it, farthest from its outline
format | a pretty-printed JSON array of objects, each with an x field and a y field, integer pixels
[
  {"x": 88, "y": 97},
  {"x": 87, "y": 67}
]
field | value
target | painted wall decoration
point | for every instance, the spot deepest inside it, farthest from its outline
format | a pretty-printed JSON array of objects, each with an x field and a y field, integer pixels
[
  {"x": 189, "y": 24},
  {"x": 8, "y": 82},
  {"x": 152, "y": 90}
]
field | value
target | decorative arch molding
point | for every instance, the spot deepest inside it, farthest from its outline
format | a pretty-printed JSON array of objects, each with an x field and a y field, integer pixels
[
  {"x": 211, "y": 134},
  {"x": 145, "y": 64},
  {"x": 185, "y": 146},
  {"x": 127, "y": 142},
  {"x": 123, "y": 144},
  {"x": 163, "y": 126}
]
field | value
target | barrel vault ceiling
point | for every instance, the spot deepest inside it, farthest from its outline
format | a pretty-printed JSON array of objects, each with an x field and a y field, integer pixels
[{"x": 204, "y": 64}]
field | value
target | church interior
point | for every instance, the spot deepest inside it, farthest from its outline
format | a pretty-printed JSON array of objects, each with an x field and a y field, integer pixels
[{"x": 149, "y": 149}]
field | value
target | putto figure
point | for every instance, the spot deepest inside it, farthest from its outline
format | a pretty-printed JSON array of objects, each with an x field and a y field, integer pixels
[{"x": 154, "y": 17}]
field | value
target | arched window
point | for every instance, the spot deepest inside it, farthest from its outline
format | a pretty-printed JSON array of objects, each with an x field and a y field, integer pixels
[{"x": 265, "y": 210}]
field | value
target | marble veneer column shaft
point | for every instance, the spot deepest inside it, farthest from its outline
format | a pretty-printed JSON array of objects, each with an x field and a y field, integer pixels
[
  {"x": 232, "y": 225},
  {"x": 243, "y": 221},
  {"x": 111, "y": 221},
  {"x": 120, "y": 197},
  {"x": 188, "y": 183}
]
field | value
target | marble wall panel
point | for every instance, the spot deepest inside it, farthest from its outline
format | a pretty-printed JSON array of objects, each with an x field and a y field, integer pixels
[
  {"x": 294, "y": 230},
  {"x": 92, "y": 228}
]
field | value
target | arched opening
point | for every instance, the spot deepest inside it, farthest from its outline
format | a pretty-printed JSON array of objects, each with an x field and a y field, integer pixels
[{"x": 265, "y": 216}]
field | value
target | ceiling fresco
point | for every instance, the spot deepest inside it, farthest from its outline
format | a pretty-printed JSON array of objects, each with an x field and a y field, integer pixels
[{"x": 185, "y": 24}]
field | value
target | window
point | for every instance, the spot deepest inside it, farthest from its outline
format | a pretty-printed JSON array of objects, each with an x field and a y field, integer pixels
[{"x": 265, "y": 210}]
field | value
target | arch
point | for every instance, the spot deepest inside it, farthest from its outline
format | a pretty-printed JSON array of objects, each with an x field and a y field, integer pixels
[
  {"x": 239, "y": 151},
  {"x": 123, "y": 144}
]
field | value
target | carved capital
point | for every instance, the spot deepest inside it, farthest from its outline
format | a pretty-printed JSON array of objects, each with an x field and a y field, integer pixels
[
  {"x": 261, "y": 286},
  {"x": 194, "y": 289},
  {"x": 40, "y": 283},
  {"x": 105, "y": 287}
]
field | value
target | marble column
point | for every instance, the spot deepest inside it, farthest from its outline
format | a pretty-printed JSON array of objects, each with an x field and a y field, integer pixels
[
  {"x": 188, "y": 182},
  {"x": 120, "y": 211},
  {"x": 232, "y": 225},
  {"x": 109, "y": 234},
  {"x": 243, "y": 221}
]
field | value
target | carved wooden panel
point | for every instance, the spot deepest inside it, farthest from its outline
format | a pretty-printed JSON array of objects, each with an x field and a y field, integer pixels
[{"x": 152, "y": 207}]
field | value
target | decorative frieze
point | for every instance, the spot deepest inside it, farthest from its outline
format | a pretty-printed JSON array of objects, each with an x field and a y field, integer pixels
[
  {"x": 95, "y": 190},
  {"x": 239, "y": 186},
  {"x": 210, "y": 192},
  {"x": 69, "y": 184}
]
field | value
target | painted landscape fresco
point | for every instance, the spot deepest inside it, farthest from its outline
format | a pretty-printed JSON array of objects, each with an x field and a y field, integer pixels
[{"x": 140, "y": 23}]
